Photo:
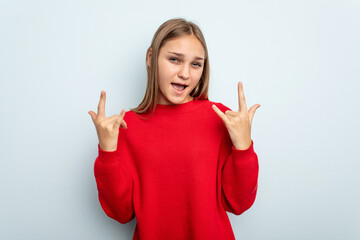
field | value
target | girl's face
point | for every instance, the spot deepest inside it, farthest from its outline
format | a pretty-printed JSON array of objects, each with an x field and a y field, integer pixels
[{"x": 180, "y": 64}]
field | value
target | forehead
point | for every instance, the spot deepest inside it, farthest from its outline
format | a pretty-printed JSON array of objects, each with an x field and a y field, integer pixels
[{"x": 187, "y": 45}]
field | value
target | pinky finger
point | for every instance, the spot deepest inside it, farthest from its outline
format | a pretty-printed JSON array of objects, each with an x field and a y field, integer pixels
[
  {"x": 119, "y": 120},
  {"x": 123, "y": 124}
]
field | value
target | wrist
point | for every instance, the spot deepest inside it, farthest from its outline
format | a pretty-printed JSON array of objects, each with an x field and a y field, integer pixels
[
  {"x": 107, "y": 148},
  {"x": 243, "y": 145}
]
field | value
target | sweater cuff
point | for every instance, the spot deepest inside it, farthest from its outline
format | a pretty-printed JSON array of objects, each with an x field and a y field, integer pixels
[
  {"x": 245, "y": 154},
  {"x": 107, "y": 156}
]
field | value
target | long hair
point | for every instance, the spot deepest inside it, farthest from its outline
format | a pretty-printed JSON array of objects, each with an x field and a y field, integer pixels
[{"x": 170, "y": 29}]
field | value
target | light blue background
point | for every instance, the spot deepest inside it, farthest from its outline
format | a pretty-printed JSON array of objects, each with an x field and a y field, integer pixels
[{"x": 299, "y": 59}]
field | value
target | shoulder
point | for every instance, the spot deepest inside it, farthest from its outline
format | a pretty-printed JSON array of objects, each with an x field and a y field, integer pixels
[
  {"x": 208, "y": 111},
  {"x": 210, "y": 118},
  {"x": 131, "y": 116},
  {"x": 221, "y": 106},
  {"x": 132, "y": 119}
]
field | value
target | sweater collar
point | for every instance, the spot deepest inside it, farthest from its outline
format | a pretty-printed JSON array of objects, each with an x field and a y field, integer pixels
[{"x": 177, "y": 108}]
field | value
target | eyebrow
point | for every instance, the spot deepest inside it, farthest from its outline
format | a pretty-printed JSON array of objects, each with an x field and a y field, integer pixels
[{"x": 182, "y": 55}]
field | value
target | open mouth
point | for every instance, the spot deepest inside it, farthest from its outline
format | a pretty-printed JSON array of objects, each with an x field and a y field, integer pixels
[{"x": 179, "y": 86}]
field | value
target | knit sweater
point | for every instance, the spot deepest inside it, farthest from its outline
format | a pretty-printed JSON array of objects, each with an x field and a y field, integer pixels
[{"x": 178, "y": 173}]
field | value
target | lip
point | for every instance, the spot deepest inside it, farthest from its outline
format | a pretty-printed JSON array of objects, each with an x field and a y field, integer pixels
[{"x": 179, "y": 91}]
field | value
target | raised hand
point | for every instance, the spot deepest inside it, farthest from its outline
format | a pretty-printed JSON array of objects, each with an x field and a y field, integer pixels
[
  {"x": 107, "y": 128},
  {"x": 238, "y": 123}
]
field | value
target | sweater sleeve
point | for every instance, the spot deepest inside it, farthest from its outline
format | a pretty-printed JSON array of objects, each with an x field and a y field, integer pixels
[
  {"x": 239, "y": 176},
  {"x": 115, "y": 186}
]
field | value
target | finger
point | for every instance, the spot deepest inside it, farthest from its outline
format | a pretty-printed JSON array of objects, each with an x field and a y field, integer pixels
[
  {"x": 111, "y": 119},
  {"x": 242, "y": 102},
  {"x": 92, "y": 115},
  {"x": 252, "y": 111},
  {"x": 123, "y": 124},
  {"x": 220, "y": 114},
  {"x": 119, "y": 119},
  {"x": 231, "y": 113},
  {"x": 101, "y": 105}
]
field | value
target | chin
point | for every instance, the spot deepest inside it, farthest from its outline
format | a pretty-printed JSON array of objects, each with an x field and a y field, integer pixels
[{"x": 176, "y": 100}]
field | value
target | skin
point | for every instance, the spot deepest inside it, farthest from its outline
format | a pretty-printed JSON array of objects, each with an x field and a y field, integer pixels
[
  {"x": 238, "y": 123},
  {"x": 186, "y": 69},
  {"x": 107, "y": 128}
]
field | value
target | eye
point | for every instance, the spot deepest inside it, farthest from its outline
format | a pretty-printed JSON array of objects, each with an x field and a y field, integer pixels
[
  {"x": 174, "y": 59},
  {"x": 197, "y": 64}
]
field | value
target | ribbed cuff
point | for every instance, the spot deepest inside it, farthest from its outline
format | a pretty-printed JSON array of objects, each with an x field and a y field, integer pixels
[
  {"x": 107, "y": 156},
  {"x": 245, "y": 154}
]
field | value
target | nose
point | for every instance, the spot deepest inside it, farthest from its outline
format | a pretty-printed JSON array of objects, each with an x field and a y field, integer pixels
[{"x": 184, "y": 72}]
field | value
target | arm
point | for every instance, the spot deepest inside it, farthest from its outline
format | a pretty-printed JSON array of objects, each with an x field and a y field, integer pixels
[
  {"x": 239, "y": 178},
  {"x": 115, "y": 186},
  {"x": 240, "y": 172},
  {"x": 113, "y": 180}
]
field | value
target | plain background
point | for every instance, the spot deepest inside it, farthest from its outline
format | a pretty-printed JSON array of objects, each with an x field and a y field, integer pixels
[{"x": 299, "y": 59}]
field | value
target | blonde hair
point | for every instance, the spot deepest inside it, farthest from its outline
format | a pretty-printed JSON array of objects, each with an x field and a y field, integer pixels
[{"x": 170, "y": 29}]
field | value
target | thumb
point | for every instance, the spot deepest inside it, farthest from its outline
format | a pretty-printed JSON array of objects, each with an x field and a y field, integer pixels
[{"x": 92, "y": 115}]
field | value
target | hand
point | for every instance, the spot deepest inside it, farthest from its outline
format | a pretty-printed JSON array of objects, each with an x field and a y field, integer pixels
[
  {"x": 238, "y": 123},
  {"x": 107, "y": 128}
]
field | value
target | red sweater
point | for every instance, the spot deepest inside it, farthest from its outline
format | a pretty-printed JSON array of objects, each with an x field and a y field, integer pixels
[{"x": 178, "y": 173}]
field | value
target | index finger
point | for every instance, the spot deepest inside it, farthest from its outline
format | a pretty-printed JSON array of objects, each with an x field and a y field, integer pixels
[
  {"x": 101, "y": 106},
  {"x": 220, "y": 114},
  {"x": 241, "y": 95}
]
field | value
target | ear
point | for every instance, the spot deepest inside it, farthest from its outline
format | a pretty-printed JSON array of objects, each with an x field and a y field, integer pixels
[{"x": 148, "y": 56}]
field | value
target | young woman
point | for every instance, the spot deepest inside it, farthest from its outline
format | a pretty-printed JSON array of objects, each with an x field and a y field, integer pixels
[{"x": 178, "y": 161}]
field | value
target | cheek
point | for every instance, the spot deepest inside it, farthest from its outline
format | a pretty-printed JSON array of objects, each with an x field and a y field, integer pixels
[
  {"x": 166, "y": 70},
  {"x": 162, "y": 74},
  {"x": 194, "y": 83},
  {"x": 197, "y": 77}
]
